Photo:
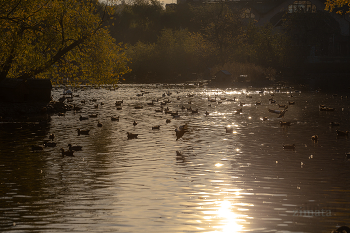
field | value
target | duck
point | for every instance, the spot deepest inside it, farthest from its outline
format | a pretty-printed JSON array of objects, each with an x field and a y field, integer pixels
[
  {"x": 282, "y": 106},
  {"x": 51, "y": 136},
  {"x": 81, "y": 118},
  {"x": 96, "y": 106},
  {"x": 83, "y": 132},
  {"x": 76, "y": 108},
  {"x": 118, "y": 102},
  {"x": 342, "y": 133},
  {"x": 342, "y": 229},
  {"x": 99, "y": 124},
  {"x": 156, "y": 127},
  {"x": 206, "y": 113},
  {"x": 264, "y": 118},
  {"x": 119, "y": 108},
  {"x": 74, "y": 148},
  {"x": 334, "y": 123},
  {"x": 50, "y": 144},
  {"x": 258, "y": 103},
  {"x": 67, "y": 153},
  {"x": 138, "y": 107},
  {"x": 113, "y": 118},
  {"x": 285, "y": 123},
  {"x": 132, "y": 135},
  {"x": 94, "y": 115},
  {"x": 229, "y": 129},
  {"x": 34, "y": 148},
  {"x": 347, "y": 155},
  {"x": 135, "y": 123},
  {"x": 291, "y": 147},
  {"x": 314, "y": 138},
  {"x": 167, "y": 120}
]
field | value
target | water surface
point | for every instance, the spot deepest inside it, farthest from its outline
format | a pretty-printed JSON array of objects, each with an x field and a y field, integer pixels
[{"x": 206, "y": 181}]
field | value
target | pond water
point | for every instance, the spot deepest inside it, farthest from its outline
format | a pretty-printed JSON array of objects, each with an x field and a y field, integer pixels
[{"x": 206, "y": 181}]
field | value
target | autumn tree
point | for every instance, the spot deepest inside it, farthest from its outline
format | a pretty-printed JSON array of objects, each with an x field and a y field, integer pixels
[
  {"x": 220, "y": 24},
  {"x": 59, "y": 39},
  {"x": 339, "y": 6}
]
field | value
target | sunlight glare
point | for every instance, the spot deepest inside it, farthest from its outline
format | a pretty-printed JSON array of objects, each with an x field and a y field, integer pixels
[{"x": 228, "y": 217}]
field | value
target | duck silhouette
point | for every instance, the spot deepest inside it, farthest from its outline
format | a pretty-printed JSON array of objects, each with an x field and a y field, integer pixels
[
  {"x": 81, "y": 118},
  {"x": 290, "y": 147},
  {"x": 342, "y": 229},
  {"x": 332, "y": 123},
  {"x": 52, "y": 137},
  {"x": 67, "y": 153},
  {"x": 83, "y": 132},
  {"x": 49, "y": 144},
  {"x": 156, "y": 127},
  {"x": 99, "y": 124},
  {"x": 113, "y": 118},
  {"x": 74, "y": 148},
  {"x": 342, "y": 133},
  {"x": 135, "y": 123},
  {"x": 132, "y": 135},
  {"x": 36, "y": 148}
]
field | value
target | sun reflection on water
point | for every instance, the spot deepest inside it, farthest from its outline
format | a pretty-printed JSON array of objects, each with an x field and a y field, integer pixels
[{"x": 229, "y": 220}]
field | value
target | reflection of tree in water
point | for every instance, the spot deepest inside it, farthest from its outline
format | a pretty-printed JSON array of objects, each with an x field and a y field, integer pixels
[{"x": 21, "y": 176}]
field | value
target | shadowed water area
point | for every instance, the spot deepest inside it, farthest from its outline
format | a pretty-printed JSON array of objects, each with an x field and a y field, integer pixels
[{"x": 209, "y": 180}]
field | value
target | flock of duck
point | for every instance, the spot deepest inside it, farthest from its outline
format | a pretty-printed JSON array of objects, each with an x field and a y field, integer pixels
[{"x": 163, "y": 101}]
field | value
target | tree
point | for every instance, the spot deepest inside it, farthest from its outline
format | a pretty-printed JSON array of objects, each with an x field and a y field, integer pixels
[
  {"x": 221, "y": 25},
  {"x": 55, "y": 38},
  {"x": 340, "y": 6}
]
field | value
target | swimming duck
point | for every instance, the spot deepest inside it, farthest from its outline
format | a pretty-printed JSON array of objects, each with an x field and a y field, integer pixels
[
  {"x": 132, "y": 135},
  {"x": 291, "y": 147},
  {"x": 74, "y": 148},
  {"x": 113, "y": 118},
  {"x": 83, "y": 132},
  {"x": 342, "y": 229},
  {"x": 81, "y": 118},
  {"x": 156, "y": 127},
  {"x": 135, "y": 123},
  {"x": 342, "y": 133},
  {"x": 76, "y": 108},
  {"x": 34, "y": 148},
  {"x": 229, "y": 129},
  {"x": 96, "y": 106},
  {"x": 347, "y": 155},
  {"x": 334, "y": 123},
  {"x": 94, "y": 115},
  {"x": 285, "y": 123},
  {"x": 99, "y": 124},
  {"x": 167, "y": 120},
  {"x": 138, "y": 107},
  {"x": 118, "y": 102},
  {"x": 52, "y": 136},
  {"x": 49, "y": 144},
  {"x": 206, "y": 113},
  {"x": 67, "y": 153}
]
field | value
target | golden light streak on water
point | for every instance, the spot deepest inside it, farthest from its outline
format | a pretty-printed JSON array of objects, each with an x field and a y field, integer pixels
[{"x": 229, "y": 220}]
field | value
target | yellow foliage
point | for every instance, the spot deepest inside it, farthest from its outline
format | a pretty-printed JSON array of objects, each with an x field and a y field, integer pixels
[{"x": 60, "y": 40}]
